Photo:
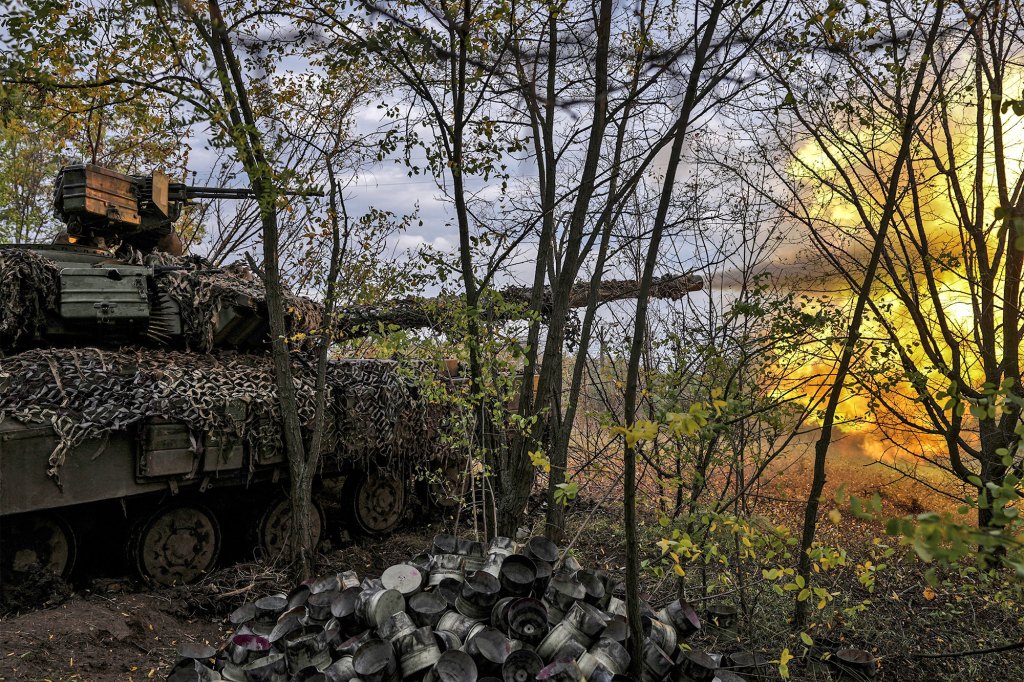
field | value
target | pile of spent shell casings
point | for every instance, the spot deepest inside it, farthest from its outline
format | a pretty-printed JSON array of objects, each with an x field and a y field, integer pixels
[{"x": 463, "y": 612}]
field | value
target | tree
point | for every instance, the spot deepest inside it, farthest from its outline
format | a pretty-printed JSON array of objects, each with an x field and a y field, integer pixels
[
  {"x": 443, "y": 56},
  {"x": 30, "y": 151},
  {"x": 950, "y": 298},
  {"x": 721, "y": 38},
  {"x": 890, "y": 95},
  {"x": 549, "y": 84}
]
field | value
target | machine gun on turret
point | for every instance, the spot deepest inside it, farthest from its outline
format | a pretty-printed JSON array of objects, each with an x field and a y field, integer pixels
[{"x": 103, "y": 208}]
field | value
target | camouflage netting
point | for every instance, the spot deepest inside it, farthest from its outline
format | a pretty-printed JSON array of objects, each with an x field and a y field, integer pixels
[
  {"x": 203, "y": 293},
  {"x": 29, "y": 285},
  {"x": 375, "y": 415}
]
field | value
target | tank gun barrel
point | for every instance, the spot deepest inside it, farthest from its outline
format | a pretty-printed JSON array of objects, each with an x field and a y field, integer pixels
[{"x": 428, "y": 313}]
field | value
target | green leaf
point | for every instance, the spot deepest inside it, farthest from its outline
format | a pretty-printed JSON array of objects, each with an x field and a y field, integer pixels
[
  {"x": 923, "y": 550},
  {"x": 806, "y": 639}
]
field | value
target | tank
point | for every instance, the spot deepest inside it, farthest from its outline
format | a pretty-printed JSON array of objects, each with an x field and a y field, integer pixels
[{"x": 138, "y": 405}]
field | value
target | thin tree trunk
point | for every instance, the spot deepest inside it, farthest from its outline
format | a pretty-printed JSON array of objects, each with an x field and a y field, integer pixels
[
  {"x": 551, "y": 379},
  {"x": 842, "y": 370},
  {"x": 248, "y": 141},
  {"x": 636, "y": 637},
  {"x": 632, "y": 383}
]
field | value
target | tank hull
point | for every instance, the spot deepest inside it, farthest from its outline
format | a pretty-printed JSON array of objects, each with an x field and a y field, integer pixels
[
  {"x": 138, "y": 406},
  {"x": 170, "y": 450},
  {"x": 26, "y": 487}
]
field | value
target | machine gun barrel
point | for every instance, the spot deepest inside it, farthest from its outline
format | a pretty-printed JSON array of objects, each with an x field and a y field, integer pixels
[
  {"x": 182, "y": 192},
  {"x": 105, "y": 208}
]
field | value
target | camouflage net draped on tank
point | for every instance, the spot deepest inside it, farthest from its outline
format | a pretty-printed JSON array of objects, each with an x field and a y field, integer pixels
[
  {"x": 374, "y": 413},
  {"x": 29, "y": 284},
  {"x": 204, "y": 293}
]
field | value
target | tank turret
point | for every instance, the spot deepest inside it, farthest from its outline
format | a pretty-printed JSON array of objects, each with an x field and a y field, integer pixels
[{"x": 116, "y": 274}]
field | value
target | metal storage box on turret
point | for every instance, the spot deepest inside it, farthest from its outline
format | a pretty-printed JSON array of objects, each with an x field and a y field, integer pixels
[{"x": 137, "y": 394}]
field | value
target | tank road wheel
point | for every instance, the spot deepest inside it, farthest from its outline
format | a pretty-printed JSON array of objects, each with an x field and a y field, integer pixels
[
  {"x": 375, "y": 503},
  {"x": 37, "y": 541},
  {"x": 178, "y": 544},
  {"x": 275, "y": 527}
]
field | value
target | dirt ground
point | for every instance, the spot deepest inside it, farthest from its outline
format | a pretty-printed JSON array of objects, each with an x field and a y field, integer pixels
[
  {"x": 127, "y": 636},
  {"x": 114, "y": 630},
  {"x": 111, "y": 629}
]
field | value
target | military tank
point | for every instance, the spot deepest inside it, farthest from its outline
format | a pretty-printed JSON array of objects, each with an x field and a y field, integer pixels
[{"x": 137, "y": 397}]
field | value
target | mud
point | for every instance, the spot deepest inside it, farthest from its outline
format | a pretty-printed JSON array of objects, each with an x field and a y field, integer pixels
[{"x": 100, "y": 638}]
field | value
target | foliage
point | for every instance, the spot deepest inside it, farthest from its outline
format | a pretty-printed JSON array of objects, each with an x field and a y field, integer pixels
[{"x": 939, "y": 537}]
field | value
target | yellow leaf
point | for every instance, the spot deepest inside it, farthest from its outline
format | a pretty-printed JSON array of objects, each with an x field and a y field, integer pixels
[
  {"x": 835, "y": 517},
  {"x": 679, "y": 570},
  {"x": 784, "y": 660},
  {"x": 641, "y": 430},
  {"x": 928, "y": 593},
  {"x": 539, "y": 460},
  {"x": 647, "y": 429},
  {"x": 682, "y": 424},
  {"x": 664, "y": 544}
]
